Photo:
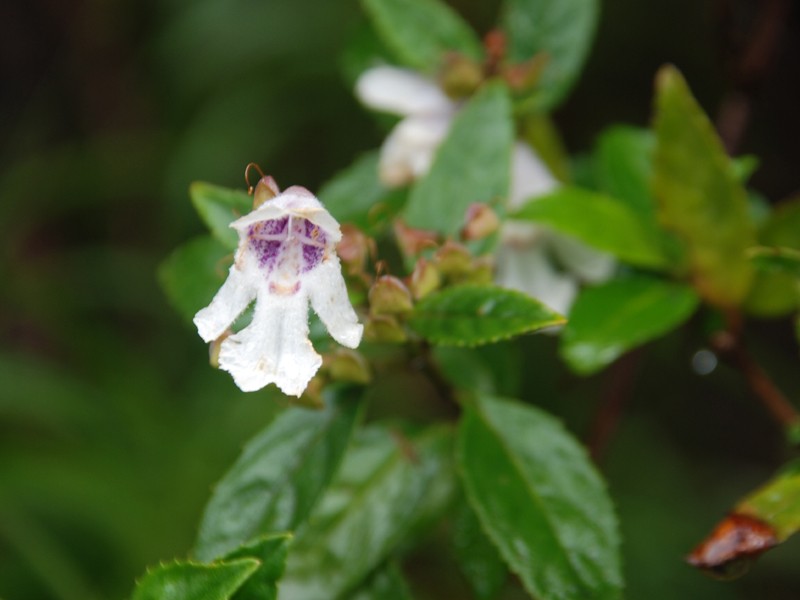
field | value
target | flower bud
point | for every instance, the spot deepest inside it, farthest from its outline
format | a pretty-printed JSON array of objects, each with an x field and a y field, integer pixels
[
  {"x": 384, "y": 328},
  {"x": 266, "y": 189},
  {"x": 481, "y": 222},
  {"x": 354, "y": 248},
  {"x": 413, "y": 241},
  {"x": 525, "y": 76},
  {"x": 453, "y": 260},
  {"x": 348, "y": 365},
  {"x": 460, "y": 76},
  {"x": 424, "y": 279},
  {"x": 389, "y": 296},
  {"x": 482, "y": 273}
]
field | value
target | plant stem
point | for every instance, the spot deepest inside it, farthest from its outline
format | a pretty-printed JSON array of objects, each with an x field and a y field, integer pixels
[
  {"x": 730, "y": 347},
  {"x": 618, "y": 390},
  {"x": 752, "y": 65}
]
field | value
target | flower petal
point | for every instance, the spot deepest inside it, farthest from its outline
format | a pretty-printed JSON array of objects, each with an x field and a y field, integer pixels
[
  {"x": 329, "y": 299},
  {"x": 585, "y": 262},
  {"x": 529, "y": 176},
  {"x": 401, "y": 92},
  {"x": 296, "y": 201},
  {"x": 274, "y": 348},
  {"x": 229, "y": 302},
  {"x": 529, "y": 270},
  {"x": 408, "y": 152}
]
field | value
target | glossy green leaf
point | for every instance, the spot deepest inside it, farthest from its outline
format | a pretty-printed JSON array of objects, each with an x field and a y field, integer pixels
[
  {"x": 562, "y": 30},
  {"x": 608, "y": 320},
  {"x": 193, "y": 273},
  {"x": 388, "y": 486},
  {"x": 470, "y": 315},
  {"x": 357, "y": 196},
  {"x": 540, "y": 500},
  {"x": 219, "y": 207},
  {"x": 279, "y": 476},
  {"x": 421, "y": 32},
  {"x": 598, "y": 221},
  {"x": 699, "y": 197},
  {"x": 192, "y": 581},
  {"x": 477, "y": 557},
  {"x": 386, "y": 583},
  {"x": 623, "y": 167},
  {"x": 471, "y": 165},
  {"x": 270, "y": 551}
]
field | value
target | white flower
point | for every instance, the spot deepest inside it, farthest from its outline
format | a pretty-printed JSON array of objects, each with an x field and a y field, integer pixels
[
  {"x": 286, "y": 258},
  {"x": 408, "y": 152},
  {"x": 525, "y": 259}
]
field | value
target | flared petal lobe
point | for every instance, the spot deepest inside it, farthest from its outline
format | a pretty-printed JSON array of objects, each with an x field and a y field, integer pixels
[{"x": 401, "y": 92}]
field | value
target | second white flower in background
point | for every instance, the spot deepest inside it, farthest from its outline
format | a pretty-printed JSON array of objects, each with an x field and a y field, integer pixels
[
  {"x": 528, "y": 253},
  {"x": 527, "y": 257}
]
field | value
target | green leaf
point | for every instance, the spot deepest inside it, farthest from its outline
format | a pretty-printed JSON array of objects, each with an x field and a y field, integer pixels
[
  {"x": 494, "y": 369},
  {"x": 193, "y": 273},
  {"x": 470, "y": 315},
  {"x": 362, "y": 50},
  {"x": 562, "y": 30},
  {"x": 388, "y": 487},
  {"x": 190, "y": 581},
  {"x": 540, "y": 500},
  {"x": 744, "y": 166},
  {"x": 219, "y": 207},
  {"x": 779, "y": 260},
  {"x": 608, "y": 320},
  {"x": 777, "y": 503},
  {"x": 541, "y": 133},
  {"x": 386, "y": 583},
  {"x": 357, "y": 196},
  {"x": 472, "y": 164},
  {"x": 280, "y": 475},
  {"x": 478, "y": 558},
  {"x": 774, "y": 291},
  {"x": 623, "y": 167},
  {"x": 270, "y": 551},
  {"x": 699, "y": 196},
  {"x": 598, "y": 221},
  {"x": 421, "y": 32}
]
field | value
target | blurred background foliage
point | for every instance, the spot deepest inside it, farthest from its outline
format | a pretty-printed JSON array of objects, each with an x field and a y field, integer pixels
[{"x": 112, "y": 426}]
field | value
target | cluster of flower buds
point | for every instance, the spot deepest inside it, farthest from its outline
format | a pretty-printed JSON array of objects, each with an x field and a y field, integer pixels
[{"x": 436, "y": 265}]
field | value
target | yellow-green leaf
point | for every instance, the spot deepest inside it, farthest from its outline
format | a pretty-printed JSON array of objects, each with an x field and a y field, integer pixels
[{"x": 699, "y": 197}]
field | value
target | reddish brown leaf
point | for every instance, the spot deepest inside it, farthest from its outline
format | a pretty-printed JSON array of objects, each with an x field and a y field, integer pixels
[{"x": 733, "y": 545}]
